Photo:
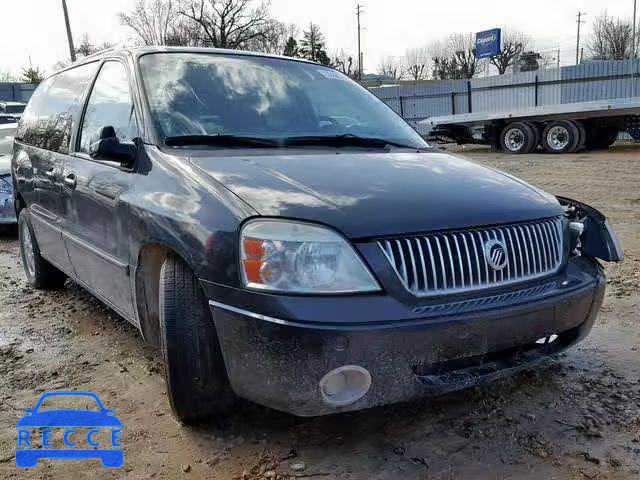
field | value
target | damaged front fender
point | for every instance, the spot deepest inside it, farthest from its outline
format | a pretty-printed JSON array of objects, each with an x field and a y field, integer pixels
[{"x": 597, "y": 239}]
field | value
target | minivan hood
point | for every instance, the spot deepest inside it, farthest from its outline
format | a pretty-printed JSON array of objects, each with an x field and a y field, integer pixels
[{"x": 376, "y": 194}]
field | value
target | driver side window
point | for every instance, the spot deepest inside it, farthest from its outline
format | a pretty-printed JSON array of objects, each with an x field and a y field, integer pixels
[{"x": 109, "y": 105}]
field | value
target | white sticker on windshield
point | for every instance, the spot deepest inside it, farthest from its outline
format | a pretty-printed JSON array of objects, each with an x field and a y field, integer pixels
[{"x": 333, "y": 74}]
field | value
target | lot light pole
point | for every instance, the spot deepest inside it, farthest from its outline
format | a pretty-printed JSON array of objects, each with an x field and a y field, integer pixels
[
  {"x": 580, "y": 21},
  {"x": 72, "y": 50},
  {"x": 633, "y": 45},
  {"x": 358, "y": 12}
]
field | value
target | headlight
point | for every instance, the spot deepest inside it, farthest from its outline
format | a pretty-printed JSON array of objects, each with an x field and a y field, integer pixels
[
  {"x": 295, "y": 257},
  {"x": 576, "y": 229},
  {"x": 5, "y": 185}
]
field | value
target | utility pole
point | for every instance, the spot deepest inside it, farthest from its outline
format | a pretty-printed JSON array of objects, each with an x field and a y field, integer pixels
[
  {"x": 358, "y": 12},
  {"x": 558, "y": 56},
  {"x": 72, "y": 50},
  {"x": 580, "y": 21},
  {"x": 633, "y": 47}
]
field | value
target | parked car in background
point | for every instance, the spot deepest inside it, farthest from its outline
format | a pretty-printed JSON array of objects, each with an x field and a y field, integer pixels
[
  {"x": 283, "y": 236},
  {"x": 10, "y": 112},
  {"x": 7, "y": 210}
]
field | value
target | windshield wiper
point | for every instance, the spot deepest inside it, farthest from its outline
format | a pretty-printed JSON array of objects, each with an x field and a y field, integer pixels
[
  {"x": 345, "y": 140},
  {"x": 221, "y": 141}
]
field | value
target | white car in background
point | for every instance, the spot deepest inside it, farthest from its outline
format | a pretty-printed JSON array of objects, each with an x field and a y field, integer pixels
[{"x": 7, "y": 210}]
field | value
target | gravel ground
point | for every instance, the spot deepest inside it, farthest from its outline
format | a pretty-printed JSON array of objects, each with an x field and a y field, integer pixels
[{"x": 577, "y": 417}]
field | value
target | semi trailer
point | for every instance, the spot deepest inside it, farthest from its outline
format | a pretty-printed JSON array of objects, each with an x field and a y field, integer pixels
[
  {"x": 560, "y": 110},
  {"x": 560, "y": 128}
]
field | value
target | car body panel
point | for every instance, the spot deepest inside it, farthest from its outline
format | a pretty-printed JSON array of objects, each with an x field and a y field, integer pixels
[{"x": 377, "y": 194}]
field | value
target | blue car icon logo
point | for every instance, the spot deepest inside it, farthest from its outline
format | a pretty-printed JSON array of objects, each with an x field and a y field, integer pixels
[{"x": 100, "y": 423}]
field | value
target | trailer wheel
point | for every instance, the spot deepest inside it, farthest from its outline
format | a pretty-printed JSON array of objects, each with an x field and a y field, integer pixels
[
  {"x": 517, "y": 137},
  {"x": 582, "y": 139},
  {"x": 560, "y": 136},
  {"x": 537, "y": 134}
]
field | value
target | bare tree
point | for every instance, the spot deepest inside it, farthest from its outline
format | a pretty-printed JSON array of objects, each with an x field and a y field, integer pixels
[
  {"x": 610, "y": 38},
  {"x": 275, "y": 38},
  {"x": 345, "y": 62},
  {"x": 390, "y": 67},
  {"x": 455, "y": 57},
  {"x": 7, "y": 76},
  {"x": 463, "y": 47},
  {"x": 152, "y": 21},
  {"x": 547, "y": 61},
  {"x": 513, "y": 44},
  {"x": 86, "y": 47},
  {"x": 416, "y": 62},
  {"x": 228, "y": 23},
  {"x": 184, "y": 33}
]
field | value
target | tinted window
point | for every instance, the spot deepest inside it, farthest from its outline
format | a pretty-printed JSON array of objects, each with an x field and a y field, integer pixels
[
  {"x": 14, "y": 108},
  {"x": 198, "y": 93},
  {"x": 55, "y": 108},
  {"x": 109, "y": 105}
]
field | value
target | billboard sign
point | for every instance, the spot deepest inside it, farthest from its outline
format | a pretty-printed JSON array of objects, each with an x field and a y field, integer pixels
[{"x": 488, "y": 43}]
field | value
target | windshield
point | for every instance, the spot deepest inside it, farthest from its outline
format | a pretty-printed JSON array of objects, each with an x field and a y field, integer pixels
[{"x": 240, "y": 95}]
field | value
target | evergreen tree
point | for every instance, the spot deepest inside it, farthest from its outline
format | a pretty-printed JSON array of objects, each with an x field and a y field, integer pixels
[
  {"x": 291, "y": 48},
  {"x": 312, "y": 45}
]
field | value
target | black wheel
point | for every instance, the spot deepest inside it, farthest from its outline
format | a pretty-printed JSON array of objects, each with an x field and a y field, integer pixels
[
  {"x": 197, "y": 382},
  {"x": 40, "y": 273},
  {"x": 517, "y": 137},
  {"x": 536, "y": 135},
  {"x": 582, "y": 136},
  {"x": 560, "y": 136}
]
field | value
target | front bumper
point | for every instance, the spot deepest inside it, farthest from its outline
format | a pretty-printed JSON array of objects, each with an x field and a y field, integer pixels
[
  {"x": 7, "y": 209},
  {"x": 279, "y": 362}
]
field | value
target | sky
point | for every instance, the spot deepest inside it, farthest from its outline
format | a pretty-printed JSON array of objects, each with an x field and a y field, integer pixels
[{"x": 389, "y": 27}]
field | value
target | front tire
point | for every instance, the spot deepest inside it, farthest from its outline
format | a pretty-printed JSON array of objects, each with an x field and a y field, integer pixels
[
  {"x": 40, "y": 273},
  {"x": 196, "y": 375}
]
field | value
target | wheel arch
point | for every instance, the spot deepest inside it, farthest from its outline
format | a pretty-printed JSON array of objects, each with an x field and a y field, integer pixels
[{"x": 150, "y": 258}]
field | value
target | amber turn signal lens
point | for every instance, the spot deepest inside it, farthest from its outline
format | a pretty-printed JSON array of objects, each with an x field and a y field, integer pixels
[{"x": 253, "y": 260}]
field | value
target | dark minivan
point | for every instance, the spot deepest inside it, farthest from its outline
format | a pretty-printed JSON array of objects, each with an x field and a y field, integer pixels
[{"x": 283, "y": 236}]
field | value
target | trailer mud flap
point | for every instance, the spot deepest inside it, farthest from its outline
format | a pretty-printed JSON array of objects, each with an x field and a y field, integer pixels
[{"x": 597, "y": 238}]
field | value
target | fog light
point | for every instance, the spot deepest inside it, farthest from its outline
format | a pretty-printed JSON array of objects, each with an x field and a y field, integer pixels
[
  {"x": 547, "y": 340},
  {"x": 345, "y": 385}
]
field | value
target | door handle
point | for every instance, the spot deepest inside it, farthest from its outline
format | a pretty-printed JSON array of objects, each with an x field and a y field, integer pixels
[
  {"x": 51, "y": 173},
  {"x": 70, "y": 181}
]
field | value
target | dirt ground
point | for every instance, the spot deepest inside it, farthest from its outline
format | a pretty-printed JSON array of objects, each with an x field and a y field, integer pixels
[{"x": 578, "y": 417}]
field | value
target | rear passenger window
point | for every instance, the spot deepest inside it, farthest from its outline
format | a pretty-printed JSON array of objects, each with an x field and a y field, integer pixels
[
  {"x": 109, "y": 105},
  {"x": 55, "y": 108}
]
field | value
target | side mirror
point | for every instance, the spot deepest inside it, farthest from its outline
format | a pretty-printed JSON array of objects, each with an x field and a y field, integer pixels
[{"x": 105, "y": 145}]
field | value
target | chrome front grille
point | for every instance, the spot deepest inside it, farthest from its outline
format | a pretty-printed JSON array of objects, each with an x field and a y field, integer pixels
[{"x": 454, "y": 262}]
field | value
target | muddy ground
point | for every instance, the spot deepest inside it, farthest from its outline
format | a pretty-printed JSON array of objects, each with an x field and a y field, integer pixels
[{"x": 578, "y": 417}]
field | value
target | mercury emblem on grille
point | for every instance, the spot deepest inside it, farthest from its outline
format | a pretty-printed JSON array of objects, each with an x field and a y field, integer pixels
[{"x": 495, "y": 252}]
